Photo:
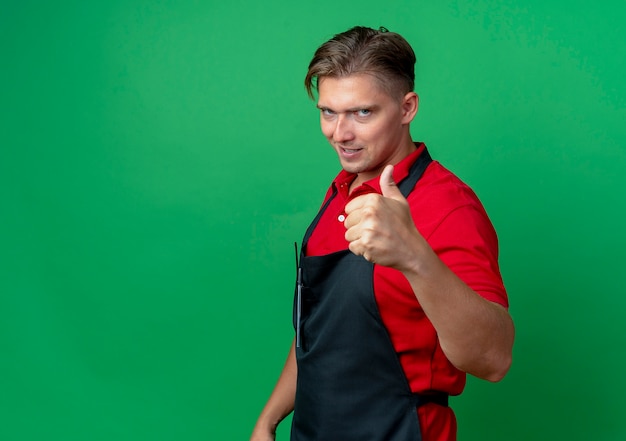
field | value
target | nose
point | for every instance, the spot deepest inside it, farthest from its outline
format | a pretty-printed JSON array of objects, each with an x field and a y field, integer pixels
[{"x": 343, "y": 131}]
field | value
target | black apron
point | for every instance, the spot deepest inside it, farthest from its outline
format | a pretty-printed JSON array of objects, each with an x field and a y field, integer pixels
[{"x": 351, "y": 385}]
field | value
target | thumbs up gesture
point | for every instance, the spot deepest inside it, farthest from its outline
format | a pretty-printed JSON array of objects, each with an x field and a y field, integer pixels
[{"x": 380, "y": 227}]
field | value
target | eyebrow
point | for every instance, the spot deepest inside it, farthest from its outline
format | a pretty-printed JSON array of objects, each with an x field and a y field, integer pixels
[{"x": 351, "y": 109}]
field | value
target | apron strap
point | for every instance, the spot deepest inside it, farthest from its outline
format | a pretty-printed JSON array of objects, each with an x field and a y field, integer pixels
[{"x": 415, "y": 173}]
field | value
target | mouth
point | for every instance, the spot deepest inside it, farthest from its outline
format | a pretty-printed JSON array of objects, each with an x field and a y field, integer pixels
[{"x": 349, "y": 151}]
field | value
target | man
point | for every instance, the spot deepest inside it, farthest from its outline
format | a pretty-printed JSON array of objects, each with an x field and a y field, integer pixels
[{"x": 399, "y": 294}]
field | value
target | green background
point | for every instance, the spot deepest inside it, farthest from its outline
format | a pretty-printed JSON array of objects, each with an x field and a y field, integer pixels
[{"x": 158, "y": 160}]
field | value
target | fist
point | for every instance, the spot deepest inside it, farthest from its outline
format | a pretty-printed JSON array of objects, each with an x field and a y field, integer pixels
[{"x": 380, "y": 227}]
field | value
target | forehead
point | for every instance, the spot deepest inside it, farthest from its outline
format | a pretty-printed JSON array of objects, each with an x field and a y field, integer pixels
[{"x": 357, "y": 90}]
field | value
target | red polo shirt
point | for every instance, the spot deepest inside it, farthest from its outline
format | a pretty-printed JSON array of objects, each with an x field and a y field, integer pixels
[{"x": 451, "y": 218}]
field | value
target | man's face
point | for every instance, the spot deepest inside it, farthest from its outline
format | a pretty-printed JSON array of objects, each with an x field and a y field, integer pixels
[{"x": 367, "y": 127}]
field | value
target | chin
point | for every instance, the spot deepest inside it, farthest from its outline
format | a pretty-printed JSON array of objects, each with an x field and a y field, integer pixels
[{"x": 351, "y": 168}]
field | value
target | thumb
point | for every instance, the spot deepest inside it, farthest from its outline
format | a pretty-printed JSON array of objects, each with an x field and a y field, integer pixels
[{"x": 388, "y": 185}]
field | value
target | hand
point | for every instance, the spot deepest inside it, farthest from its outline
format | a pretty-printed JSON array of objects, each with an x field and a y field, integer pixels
[
  {"x": 263, "y": 435},
  {"x": 380, "y": 227}
]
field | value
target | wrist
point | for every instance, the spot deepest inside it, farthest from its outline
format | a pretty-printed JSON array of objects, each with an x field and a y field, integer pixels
[{"x": 420, "y": 262}]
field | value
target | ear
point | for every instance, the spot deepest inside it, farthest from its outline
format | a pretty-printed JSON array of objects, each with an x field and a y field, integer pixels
[{"x": 410, "y": 103}]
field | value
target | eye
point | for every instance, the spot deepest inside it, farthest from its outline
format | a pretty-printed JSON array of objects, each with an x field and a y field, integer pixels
[
  {"x": 327, "y": 113},
  {"x": 362, "y": 113}
]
